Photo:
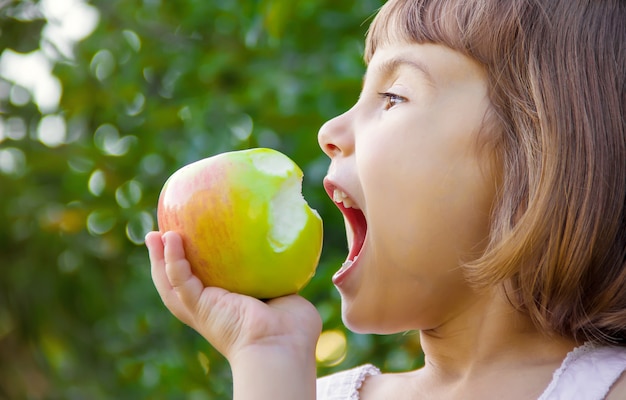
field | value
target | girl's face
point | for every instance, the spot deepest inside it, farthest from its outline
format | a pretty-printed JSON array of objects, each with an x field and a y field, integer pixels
[{"x": 415, "y": 189}]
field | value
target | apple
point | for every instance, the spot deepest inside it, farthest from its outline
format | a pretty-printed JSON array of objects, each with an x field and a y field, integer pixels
[{"x": 244, "y": 223}]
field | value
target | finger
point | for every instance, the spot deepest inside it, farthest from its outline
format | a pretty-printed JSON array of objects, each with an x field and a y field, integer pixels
[
  {"x": 154, "y": 242},
  {"x": 156, "y": 248},
  {"x": 186, "y": 285}
]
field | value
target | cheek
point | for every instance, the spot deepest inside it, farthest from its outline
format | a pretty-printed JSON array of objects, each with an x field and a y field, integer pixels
[{"x": 429, "y": 210}]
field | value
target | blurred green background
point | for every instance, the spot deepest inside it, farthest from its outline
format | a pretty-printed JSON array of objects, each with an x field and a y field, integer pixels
[{"x": 99, "y": 103}]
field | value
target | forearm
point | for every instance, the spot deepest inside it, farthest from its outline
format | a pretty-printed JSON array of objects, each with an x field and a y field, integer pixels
[{"x": 274, "y": 374}]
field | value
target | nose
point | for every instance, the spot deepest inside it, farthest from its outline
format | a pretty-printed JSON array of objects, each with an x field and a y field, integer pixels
[{"x": 336, "y": 136}]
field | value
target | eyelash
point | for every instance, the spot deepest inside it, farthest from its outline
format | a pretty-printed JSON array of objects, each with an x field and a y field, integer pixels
[{"x": 391, "y": 99}]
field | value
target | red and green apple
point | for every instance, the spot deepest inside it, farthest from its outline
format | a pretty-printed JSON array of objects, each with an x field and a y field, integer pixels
[{"x": 244, "y": 222}]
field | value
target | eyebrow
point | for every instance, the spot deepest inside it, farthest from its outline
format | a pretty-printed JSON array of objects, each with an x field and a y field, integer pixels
[{"x": 389, "y": 67}]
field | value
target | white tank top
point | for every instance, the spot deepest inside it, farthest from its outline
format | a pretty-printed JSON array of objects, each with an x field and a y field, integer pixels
[{"x": 587, "y": 373}]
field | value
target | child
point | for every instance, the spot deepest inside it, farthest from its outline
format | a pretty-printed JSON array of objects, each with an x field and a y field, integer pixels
[{"x": 482, "y": 177}]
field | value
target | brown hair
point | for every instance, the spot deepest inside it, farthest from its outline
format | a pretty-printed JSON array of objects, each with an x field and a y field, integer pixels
[{"x": 557, "y": 78}]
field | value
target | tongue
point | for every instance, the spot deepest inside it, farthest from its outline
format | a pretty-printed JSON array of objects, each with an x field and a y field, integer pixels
[{"x": 357, "y": 230}]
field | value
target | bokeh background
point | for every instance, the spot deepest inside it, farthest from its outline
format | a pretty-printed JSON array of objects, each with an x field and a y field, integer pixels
[{"x": 100, "y": 102}]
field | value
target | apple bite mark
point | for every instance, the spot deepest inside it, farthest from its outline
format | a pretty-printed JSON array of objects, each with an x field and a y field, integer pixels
[{"x": 289, "y": 213}]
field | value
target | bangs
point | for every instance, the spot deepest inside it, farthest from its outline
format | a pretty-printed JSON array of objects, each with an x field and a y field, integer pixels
[{"x": 465, "y": 26}]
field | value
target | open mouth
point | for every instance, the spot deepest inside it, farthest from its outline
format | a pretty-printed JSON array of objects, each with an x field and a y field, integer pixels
[{"x": 354, "y": 217}]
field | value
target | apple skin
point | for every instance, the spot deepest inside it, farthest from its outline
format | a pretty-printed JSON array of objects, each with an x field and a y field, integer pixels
[{"x": 225, "y": 209}]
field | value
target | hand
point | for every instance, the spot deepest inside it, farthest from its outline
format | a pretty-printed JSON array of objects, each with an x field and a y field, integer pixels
[{"x": 234, "y": 324}]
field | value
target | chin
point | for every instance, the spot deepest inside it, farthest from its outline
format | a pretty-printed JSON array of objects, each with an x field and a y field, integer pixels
[
  {"x": 355, "y": 320},
  {"x": 364, "y": 322}
]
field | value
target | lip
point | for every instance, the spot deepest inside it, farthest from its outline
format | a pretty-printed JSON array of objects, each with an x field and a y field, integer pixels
[
  {"x": 342, "y": 274},
  {"x": 358, "y": 225}
]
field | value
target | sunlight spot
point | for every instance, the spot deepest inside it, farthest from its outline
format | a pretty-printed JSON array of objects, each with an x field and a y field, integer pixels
[
  {"x": 19, "y": 96},
  {"x": 136, "y": 106},
  {"x": 97, "y": 182},
  {"x": 15, "y": 128},
  {"x": 107, "y": 139},
  {"x": 33, "y": 71},
  {"x": 152, "y": 164},
  {"x": 12, "y": 161},
  {"x": 138, "y": 227},
  {"x": 133, "y": 39},
  {"x": 331, "y": 347},
  {"x": 69, "y": 261},
  {"x": 242, "y": 127},
  {"x": 52, "y": 130},
  {"x": 100, "y": 222},
  {"x": 128, "y": 194},
  {"x": 69, "y": 21},
  {"x": 102, "y": 64}
]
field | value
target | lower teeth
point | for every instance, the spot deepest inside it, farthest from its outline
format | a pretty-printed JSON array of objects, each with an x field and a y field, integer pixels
[{"x": 348, "y": 263}]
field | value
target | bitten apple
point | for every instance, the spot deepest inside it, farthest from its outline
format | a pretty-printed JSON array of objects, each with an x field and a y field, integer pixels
[{"x": 244, "y": 222}]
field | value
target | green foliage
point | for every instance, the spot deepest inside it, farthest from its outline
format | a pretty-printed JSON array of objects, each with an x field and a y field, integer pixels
[{"x": 157, "y": 85}]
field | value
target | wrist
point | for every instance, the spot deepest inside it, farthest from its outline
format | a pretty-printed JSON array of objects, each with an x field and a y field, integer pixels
[{"x": 274, "y": 372}]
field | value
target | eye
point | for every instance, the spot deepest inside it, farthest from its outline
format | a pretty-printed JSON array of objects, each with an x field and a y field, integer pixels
[{"x": 391, "y": 99}]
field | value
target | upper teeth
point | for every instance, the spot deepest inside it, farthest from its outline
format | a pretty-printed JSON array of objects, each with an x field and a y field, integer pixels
[{"x": 339, "y": 196}]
